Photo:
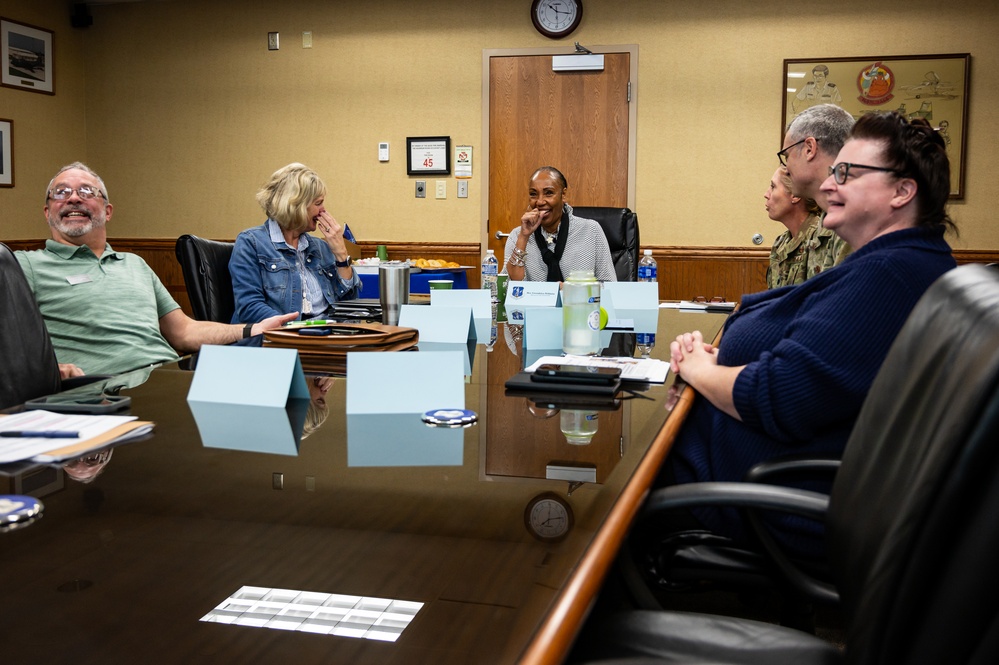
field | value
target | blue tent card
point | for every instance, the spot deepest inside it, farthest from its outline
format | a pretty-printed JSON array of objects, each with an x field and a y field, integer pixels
[
  {"x": 440, "y": 324},
  {"x": 543, "y": 328},
  {"x": 249, "y": 398},
  {"x": 247, "y": 375},
  {"x": 634, "y": 302},
  {"x": 405, "y": 382},
  {"x": 521, "y": 295},
  {"x": 479, "y": 300}
]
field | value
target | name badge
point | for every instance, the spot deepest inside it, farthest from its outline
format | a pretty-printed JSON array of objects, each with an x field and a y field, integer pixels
[{"x": 78, "y": 279}]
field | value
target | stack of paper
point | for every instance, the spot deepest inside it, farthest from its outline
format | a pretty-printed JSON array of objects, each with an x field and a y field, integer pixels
[
  {"x": 632, "y": 369},
  {"x": 44, "y": 436}
]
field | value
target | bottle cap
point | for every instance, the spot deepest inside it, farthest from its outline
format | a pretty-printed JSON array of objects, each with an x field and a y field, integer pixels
[{"x": 648, "y": 252}]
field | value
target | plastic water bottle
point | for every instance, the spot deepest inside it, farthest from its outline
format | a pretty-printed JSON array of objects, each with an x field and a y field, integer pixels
[
  {"x": 648, "y": 271},
  {"x": 490, "y": 268},
  {"x": 581, "y": 313}
]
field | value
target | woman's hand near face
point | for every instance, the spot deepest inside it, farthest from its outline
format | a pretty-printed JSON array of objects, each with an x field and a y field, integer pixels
[
  {"x": 333, "y": 234},
  {"x": 531, "y": 220}
]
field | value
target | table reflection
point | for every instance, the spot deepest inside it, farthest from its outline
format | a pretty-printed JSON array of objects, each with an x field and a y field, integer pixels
[{"x": 523, "y": 437}]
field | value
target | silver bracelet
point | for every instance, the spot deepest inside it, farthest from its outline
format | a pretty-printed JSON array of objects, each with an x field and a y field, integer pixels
[{"x": 517, "y": 257}]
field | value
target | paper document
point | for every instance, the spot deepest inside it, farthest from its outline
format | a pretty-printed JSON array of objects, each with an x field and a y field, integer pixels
[
  {"x": 698, "y": 306},
  {"x": 94, "y": 432},
  {"x": 632, "y": 369}
]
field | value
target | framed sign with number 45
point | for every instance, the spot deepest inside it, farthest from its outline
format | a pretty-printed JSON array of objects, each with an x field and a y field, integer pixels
[{"x": 428, "y": 155}]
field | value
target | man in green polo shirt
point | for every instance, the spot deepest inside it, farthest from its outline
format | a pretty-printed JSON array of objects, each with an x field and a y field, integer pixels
[{"x": 107, "y": 312}]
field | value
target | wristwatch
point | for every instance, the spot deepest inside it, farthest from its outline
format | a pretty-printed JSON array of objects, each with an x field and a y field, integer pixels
[
  {"x": 343, "y": 264},
  {"x": 247, "y": 331}
]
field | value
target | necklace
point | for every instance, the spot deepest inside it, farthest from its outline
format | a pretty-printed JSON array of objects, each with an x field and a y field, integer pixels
[{"x": 550, "y": 238}]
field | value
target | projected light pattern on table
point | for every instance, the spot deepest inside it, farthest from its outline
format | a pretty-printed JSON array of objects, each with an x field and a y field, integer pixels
[{"x": 381, "y": 619}]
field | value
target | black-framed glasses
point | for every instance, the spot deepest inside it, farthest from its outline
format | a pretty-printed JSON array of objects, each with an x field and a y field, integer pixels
[
  {"x": 85, "y": 192},
  {"x": 840, "y": 172},
  {"x": 782, "y": 154}
]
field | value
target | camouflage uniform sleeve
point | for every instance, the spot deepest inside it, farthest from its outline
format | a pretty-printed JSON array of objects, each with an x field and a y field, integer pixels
[{"x": 826, "y": 250}]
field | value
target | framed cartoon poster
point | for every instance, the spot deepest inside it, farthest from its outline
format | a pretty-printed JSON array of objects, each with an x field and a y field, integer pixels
[
  {"x": 933, "y": 87},
  {"x": 26, "y": 57}
]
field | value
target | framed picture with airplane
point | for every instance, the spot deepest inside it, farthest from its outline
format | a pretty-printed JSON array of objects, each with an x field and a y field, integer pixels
[
  {"x": 933, "y": 87},
  {"x": 26, "y": 57}
]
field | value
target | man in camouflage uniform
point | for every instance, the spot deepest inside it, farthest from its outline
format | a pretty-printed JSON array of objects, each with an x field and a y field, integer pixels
[{"x": 811, "y": 143}]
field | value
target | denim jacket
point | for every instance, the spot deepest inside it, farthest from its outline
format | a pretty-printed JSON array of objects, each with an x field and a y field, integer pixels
[{"x": 265, "y": 279}]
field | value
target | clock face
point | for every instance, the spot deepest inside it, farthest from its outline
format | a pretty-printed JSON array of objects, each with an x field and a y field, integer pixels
[
  {"x": 548, "y": 517},
  {"x": 556, "y": 18}
]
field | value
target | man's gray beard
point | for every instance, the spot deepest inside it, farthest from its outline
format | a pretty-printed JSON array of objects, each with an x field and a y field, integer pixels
[{"x": 76, "y": 230}]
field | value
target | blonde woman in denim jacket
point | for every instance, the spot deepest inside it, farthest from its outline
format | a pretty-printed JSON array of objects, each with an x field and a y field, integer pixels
[{"x": 277, "y": 267}]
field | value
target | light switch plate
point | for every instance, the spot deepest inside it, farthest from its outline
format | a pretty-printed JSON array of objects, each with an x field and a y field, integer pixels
[
  {"x": 462, "y": 189},
  {"x": 273, "y": 43},
  {"x": 421, "y": 189},
  {"x": 307, "y": 39},
  {"x": 442, "y": 189}
]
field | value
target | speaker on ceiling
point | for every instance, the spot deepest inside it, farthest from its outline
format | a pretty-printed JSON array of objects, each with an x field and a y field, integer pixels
[{"x": 80, "y": 16}]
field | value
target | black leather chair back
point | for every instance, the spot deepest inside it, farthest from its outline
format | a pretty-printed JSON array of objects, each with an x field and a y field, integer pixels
[
  {"x": 29, "y": 363},
  {"x": 205, "y": 264},
  {"x": 913, "y": 521},
  {"x": 620, "y": 225}
]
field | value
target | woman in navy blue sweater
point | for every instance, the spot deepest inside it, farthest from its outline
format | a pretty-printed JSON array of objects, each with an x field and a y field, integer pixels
[{"x": 795, "y": 363}]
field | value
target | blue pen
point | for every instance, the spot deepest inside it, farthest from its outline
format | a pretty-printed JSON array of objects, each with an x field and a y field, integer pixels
[{"x": 41, "y": 435}]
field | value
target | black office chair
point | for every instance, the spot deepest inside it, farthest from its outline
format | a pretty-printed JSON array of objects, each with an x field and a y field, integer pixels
[
  {"x": 911, "y": 529},
  {"x": 30, "y": 368},
  {"x": 620, "y": 226},
  {"x": 205, "y": 264}
]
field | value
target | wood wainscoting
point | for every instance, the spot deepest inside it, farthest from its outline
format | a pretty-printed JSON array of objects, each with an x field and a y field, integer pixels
[{"x": 684, "y": 272}]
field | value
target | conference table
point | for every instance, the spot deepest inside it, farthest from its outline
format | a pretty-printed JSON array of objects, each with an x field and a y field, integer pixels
[{"x": 489, "y": 550}]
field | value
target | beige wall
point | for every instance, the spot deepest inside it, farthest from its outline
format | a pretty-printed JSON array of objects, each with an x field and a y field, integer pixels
[
  {"x": 49, "y": 131},
  {"x": 185, "y": 112}
]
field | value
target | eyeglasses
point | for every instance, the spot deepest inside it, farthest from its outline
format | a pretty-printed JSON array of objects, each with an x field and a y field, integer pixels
[
  {"x": 840, "y": 172},
  {"x": 782, "y": 155},
  {"x": 85, "y": 192}
]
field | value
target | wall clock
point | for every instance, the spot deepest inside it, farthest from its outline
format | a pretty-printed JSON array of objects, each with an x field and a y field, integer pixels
[
  {"x": 548, "y": 517},
  {"x": 556, "y": 18}
]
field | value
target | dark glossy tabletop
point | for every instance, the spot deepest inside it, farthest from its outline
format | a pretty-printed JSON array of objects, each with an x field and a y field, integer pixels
[{"x": 125, "y": 567}]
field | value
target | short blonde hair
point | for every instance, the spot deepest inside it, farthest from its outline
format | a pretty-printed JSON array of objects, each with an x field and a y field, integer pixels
[
  {"x": 287, "y": 195},
  {"x": 810, "y": 205}
]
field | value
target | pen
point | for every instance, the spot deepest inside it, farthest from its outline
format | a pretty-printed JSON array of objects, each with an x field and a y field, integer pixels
[{"x": 41, "y": 435}]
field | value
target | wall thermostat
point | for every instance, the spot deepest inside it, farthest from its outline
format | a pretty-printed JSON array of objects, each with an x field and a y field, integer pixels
[{"x": 383, "y": 152}]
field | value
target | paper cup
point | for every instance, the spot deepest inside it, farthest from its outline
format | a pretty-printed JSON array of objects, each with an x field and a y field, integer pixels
[{"x": 440, "y": 283}]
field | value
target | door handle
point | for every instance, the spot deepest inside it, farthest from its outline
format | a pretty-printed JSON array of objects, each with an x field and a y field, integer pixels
[{"x": 500, "y": 235}]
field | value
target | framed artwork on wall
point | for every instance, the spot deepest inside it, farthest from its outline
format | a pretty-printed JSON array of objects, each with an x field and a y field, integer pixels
[
  {"x": 26, "y": 57},
  {"x": 934, "y": 87},
  {"x": 6, "y": 153}
]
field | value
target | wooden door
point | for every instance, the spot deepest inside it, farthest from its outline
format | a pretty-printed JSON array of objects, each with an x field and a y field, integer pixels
[{"x": 574, "y": 121}]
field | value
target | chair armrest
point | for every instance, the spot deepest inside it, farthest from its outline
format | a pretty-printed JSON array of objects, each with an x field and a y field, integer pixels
[
  {"x": 739, "y": 495},
  {"x": 804, "y": 503},
  {"x": 784, "y": 466}
]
